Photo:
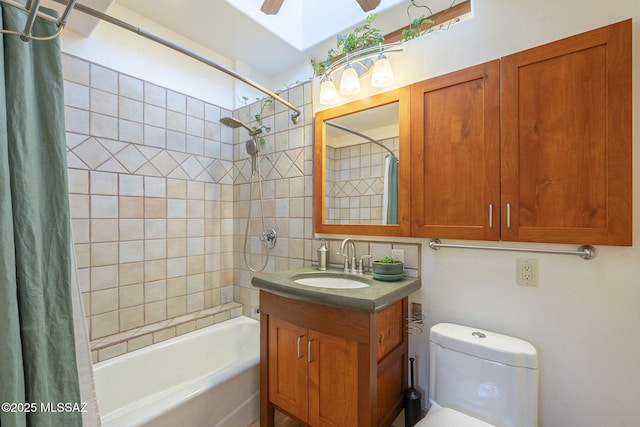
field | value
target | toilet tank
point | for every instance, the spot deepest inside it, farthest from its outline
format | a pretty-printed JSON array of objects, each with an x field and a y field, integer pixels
[{"x": 490, "y": 376}]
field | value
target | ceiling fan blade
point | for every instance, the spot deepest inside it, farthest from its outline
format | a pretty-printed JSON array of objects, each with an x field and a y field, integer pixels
[
  {"x": 367, "y": 5},
  {"x": 271, "y": 7}
]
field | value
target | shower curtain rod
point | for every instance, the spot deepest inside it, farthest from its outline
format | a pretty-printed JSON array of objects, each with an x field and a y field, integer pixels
[
  {"x": 153, "y": 37},
  {"x": 361, "y": 135}
]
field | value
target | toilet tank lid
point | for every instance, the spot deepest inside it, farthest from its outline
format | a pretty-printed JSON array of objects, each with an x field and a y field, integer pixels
[{"x": 485, "y": 344}]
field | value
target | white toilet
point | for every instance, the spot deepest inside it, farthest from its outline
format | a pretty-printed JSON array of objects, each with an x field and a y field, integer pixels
[{"x": 479, "y": 379}]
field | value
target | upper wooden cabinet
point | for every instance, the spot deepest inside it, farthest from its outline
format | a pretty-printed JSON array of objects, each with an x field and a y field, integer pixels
[
  {"x": 455, "y": 122},
  {"x": 566, "y": 140},
  {"x": 535, "y": 149}
]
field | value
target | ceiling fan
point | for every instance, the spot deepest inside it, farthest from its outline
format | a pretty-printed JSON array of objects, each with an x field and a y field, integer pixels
[{"x": 271, "y": 7}]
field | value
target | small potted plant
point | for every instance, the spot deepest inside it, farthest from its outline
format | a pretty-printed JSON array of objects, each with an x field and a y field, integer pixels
[{"x": 388, "y": 266}]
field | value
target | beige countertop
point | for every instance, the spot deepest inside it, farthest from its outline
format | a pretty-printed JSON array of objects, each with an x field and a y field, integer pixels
[{"x": 376, "y": 297}]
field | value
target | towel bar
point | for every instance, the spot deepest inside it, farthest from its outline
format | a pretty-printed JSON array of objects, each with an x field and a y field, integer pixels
[{"x": 585, "y": 251}]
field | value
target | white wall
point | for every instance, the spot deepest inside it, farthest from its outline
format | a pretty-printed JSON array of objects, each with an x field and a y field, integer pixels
[
  {"x": 122, "y": 50},
  {"x": 584, "y": 318}
]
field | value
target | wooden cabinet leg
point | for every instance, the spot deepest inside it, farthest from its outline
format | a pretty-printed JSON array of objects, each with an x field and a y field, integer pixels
[{"x": 267, "y": 416}]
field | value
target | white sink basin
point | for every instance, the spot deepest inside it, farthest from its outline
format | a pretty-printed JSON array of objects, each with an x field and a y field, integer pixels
[{"x": 331, "y": 282}]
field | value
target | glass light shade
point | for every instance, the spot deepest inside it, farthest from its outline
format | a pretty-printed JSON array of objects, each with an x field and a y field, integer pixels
[
  {"x": 349, "y": 82},
  {"x": 328, "y": 92},
  {"x": 382, "y": 75}
]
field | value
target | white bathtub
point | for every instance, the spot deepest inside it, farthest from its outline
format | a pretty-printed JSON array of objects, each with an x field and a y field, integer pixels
[{"x": 209, "y": 377}]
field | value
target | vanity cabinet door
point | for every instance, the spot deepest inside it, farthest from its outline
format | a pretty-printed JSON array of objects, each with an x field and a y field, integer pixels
[
  {"x": 329, "y": 366},
  {"x": 333, "y": 380},
  {"x": 566, "y": 140},
  {"x": 288, "y": 369},
  {"x": 455, "y": 122},
  {"x": 313, "y": 376}
]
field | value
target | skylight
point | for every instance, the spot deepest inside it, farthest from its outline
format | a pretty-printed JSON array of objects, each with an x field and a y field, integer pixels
[{"x": 303, "y": 24}]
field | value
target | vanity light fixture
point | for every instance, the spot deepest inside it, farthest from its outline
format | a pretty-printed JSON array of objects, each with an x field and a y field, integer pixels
[
  {"x": 354, "y": 66},
  {"x": 382, "y": 75},
  {"x": 328, "y": 92},
  {"x": 350, "y": 81}
]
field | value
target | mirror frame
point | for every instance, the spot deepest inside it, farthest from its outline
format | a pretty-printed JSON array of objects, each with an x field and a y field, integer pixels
[{"x": 403, "y": 97}]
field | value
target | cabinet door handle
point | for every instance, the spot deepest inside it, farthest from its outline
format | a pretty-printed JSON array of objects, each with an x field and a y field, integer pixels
[
  {"x": 309, "y": 351},
  {"x": 508, "y": 215},
  {"x": 491, "y": 215},
  {"x": 299, "y": 339}
]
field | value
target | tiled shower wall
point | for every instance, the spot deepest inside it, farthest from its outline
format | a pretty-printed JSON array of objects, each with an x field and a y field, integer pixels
[
  {"x": 286, "y": 165},
  {"x": 160, "y": 195},
  {"x": 151, "y": 194},
  {"x": 355, "y": 179}
]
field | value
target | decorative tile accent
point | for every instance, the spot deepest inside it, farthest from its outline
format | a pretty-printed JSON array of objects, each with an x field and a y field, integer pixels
[
  {"x": 131, "y": 158},
  {"x": 92, "y": 153}
]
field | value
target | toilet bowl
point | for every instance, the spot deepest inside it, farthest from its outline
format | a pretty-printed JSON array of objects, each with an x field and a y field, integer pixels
[{"x": 479, "y": 378}]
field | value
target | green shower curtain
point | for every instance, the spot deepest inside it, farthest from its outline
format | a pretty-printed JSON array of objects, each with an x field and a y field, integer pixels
[
  {"x": 392, "y": 190},
  {"x": 38, "y": 375}
]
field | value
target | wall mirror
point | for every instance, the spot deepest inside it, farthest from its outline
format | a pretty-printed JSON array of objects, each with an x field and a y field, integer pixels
[{"x": 362, "y": 161}]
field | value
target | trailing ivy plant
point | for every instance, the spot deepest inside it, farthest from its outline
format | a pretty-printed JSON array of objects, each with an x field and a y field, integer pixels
[
  {"x": 366, "y": 35},
  {"x": 265, "y": 102},
  {"x": 422, "y": 24},
  {"x": 362, "y": 37}
]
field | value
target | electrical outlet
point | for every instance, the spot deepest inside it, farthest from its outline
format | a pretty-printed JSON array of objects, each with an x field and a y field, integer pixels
[
  {"x": 397, "y": 254},
  {"x": 527, "y": 271}
]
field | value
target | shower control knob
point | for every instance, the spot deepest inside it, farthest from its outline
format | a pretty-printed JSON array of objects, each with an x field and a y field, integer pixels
[{"x": 269, "y": 237}]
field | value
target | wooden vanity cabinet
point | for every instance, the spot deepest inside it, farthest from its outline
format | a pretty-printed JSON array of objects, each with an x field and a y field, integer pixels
[
  {"x": 534, "y": 147},
  {"x": 327, "y": 366}
]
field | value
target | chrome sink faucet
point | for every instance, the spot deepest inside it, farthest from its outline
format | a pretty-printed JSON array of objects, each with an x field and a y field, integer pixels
[
  {"x": 349, "y": 256},
  {"x": 351, "y": 265}
]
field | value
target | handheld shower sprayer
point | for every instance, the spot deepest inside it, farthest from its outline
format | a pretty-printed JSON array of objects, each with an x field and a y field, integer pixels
[
  {"x": 252, "y": 149},
  {"x": 268, "y": 237}
]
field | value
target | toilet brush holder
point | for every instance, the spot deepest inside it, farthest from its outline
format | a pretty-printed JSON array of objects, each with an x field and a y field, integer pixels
[{"x": 412, "y": 402}]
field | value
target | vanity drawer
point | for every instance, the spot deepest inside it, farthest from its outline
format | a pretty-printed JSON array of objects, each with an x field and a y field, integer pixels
[{"x": 390, "y": 329}]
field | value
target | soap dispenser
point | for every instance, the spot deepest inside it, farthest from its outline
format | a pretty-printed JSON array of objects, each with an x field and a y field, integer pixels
[{"x": 323, "y": 253}]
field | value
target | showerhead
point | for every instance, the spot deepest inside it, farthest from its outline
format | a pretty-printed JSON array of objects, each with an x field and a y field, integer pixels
[{"x": 235, "y": 123}]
